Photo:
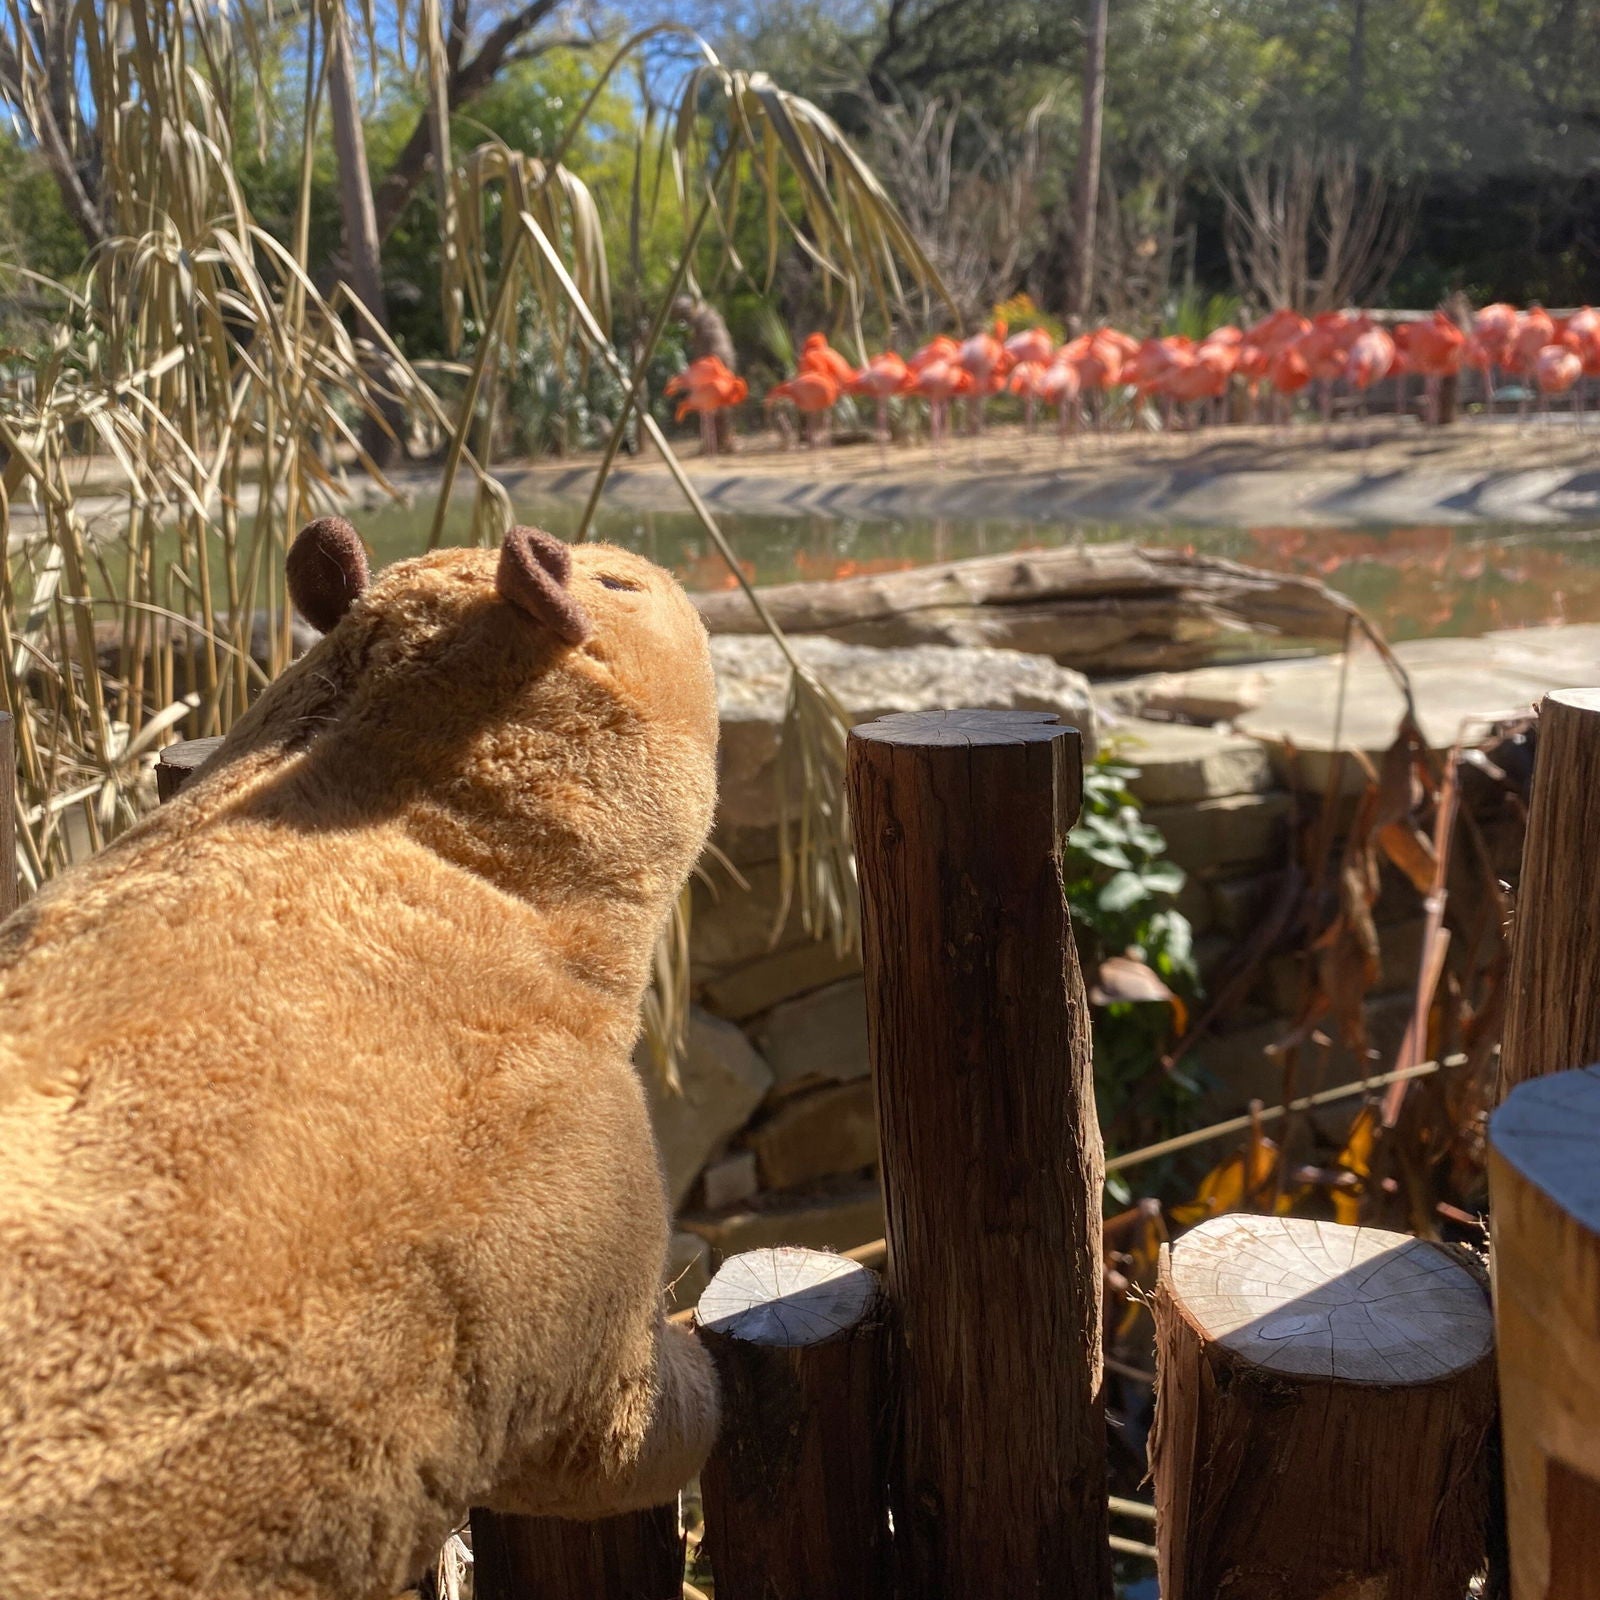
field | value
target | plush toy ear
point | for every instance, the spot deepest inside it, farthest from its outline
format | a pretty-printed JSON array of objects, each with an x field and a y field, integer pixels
[
  {"x": 327, "y": 571},
  {"x": 534, "y": 571}
]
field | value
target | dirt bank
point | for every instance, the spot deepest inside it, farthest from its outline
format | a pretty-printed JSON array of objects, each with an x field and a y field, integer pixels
[
  {"x": 1385, "y": 470},
  {"x": 1382, "y": 471}
]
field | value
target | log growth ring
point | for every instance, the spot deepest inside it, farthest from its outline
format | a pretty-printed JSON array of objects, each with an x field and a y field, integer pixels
[{"x": 1321, "y": 1300}]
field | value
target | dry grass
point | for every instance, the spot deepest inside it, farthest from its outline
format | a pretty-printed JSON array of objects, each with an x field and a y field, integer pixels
[{"x": 197, "y": 358}]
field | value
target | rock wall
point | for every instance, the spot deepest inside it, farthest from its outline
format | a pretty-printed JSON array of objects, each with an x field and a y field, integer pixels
[{"x": 773, "y": 1138}]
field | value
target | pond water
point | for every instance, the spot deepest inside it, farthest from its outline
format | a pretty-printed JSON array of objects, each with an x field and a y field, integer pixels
[{"x": 1412, "y": 581}]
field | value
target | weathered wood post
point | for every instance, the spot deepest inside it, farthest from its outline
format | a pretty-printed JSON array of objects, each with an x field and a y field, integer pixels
[
  {"x": 179, "y": 762},
  {"x": 992, "y": 1167},
  {"x": 796, "y": 1491},
  {"x": 1544, "y": 1192},
  {"x": 1325, "y": 1399},
  {"x": 1552, "y": 1001},
  {"x": 9, "y": 888},
  {"x": 635, "y": 1557}
]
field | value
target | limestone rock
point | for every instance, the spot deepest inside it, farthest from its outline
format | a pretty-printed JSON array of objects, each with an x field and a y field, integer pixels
[
  {"x": 1236, "y": 1068},
  {"x": 724, "y": 1080},
  {"x": 819, "y": 1037},
  {"x": 1205, "y": 696},
  {"x": 745, "y": 991},
  {"x": 729, "y": 1180},
  {"x": 753, "y": 683},
  {"x": 1235, "y": 831},
  {"x": 1238, "y": 903},
  {"x": 1179, "y": 764},
  {"x": 837, "y": 1216},
  {"x": 731, "y": 924},
  {"x": 819, "y": 1135}
]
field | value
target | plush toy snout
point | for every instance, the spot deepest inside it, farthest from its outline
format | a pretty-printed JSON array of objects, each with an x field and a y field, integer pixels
[{"x": 535, "y": 571}]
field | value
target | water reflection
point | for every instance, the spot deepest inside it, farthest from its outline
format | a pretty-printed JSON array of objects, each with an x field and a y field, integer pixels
[{"x": 1414, "y": 581}]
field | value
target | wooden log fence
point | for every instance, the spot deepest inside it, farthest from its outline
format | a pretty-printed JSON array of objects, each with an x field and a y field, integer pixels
[
  {"x": 978, "y": 1032},
  {"x": 1544, "y": 1189},
  {"x": 1324, "y": 1406},
  {"x": 939, "y": 1433},
  {"x": 796, "y": 1491},
  {"x": 1552, "y": 1000}
]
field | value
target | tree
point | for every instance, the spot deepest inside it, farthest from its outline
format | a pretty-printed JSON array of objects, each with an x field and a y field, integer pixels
[
  {"x": 507, "y": 42},
  {"x": 1088, "y": 194},
  {"x": 36, "y": 77}
]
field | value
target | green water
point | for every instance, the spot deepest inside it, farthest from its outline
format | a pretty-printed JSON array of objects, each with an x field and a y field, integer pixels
[
  {"x": 1414, "y": 581},
  {"x": 1419, "y": 581}
]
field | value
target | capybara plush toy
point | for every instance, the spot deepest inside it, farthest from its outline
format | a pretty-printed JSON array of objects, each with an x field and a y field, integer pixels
[{"x": 329, "y": 1204}]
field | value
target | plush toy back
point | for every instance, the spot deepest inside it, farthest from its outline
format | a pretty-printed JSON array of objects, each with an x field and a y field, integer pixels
[{"x": 328, "y": 1200}]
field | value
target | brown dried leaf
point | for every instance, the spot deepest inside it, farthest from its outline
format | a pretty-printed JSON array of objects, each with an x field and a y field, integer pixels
[
  {"x": 1410, "y": 849},
  {"x": 1121, "y": 978},
  {"x": 1400, "y": 791}
]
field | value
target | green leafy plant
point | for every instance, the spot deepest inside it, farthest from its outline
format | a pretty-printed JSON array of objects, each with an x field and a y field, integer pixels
[{"x": 1137, "y": 951}]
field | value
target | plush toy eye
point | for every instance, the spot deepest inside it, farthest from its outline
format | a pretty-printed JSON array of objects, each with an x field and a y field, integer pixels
[{"x": 618, "y": 583}]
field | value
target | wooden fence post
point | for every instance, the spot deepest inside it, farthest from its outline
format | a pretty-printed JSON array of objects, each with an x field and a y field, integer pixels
[
  {"x": 1544, "y": 1196},
  {"x": 796, "y": 1491},
  {"x": 9, "y": 887},
  {"x": 635, "y": 1557},
  {"x": 179, "y": 762},
  {"x": 1552, "y": 1001},
  {"x": 1325, "y": 1400},
  {"x": 978, "y": 1029}
]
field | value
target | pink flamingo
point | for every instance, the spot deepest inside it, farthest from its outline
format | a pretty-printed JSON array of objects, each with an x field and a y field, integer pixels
[
  {"x": 1027, "y": 379},
  {"x": 985, "y": 360},
  {"x": 1060, "y": 388},
  {"x": 813, "y": 395},
  {"x": 884, "y": 375},
  {"x": 939, "y": 381}
]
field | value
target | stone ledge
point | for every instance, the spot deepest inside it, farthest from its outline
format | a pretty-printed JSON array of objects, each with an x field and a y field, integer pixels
[
  {"x": 753, "y": 684},
  {"x": 1235, "y": 831},
  {"x": 817, "y": 1038},
  {"x": 746, "y": 991},
  {"x": 723, "y": 1081},
  {"x": 1179, "y": 764},
  {"x": 821, "y": 1135},
  {"x": 828, "y": 1217}
]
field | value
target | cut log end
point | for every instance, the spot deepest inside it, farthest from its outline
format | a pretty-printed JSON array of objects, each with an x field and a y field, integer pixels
[
  {"x": 1325, "y": 1398},
  {"x": 179, "y": 762},
  {"x": 788, "y": 1297},
  {"x": 966, "y": 727},
  {"x": 1317, "y": 1300},
  {"x": 800, "y": 1348},
  {"x": 1544, "y": 1192},
  {"x": 1549, "y": 1129},
  {"x": 1586, "y": 700}
]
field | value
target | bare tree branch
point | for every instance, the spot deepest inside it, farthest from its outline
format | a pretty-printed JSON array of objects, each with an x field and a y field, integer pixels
[
  {"x": 1313, "y": 232},
  {"x": 466, "y": 80},
  {"x": 972, "y": 221},
  {"x": 21, "y": 72}
]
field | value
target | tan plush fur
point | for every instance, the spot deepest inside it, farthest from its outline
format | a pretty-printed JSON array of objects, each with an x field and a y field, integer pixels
[{"x": 328, "y": 1199}]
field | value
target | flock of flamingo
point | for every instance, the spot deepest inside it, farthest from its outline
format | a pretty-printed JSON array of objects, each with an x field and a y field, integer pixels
[{"x": 1285, "y": 352}]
